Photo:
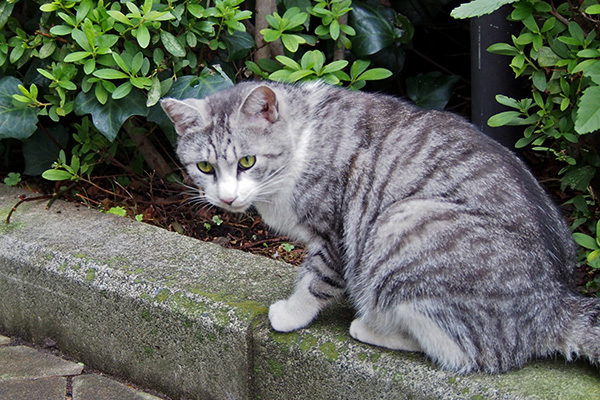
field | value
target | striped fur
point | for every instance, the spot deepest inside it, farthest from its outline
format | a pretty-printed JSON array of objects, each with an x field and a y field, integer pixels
[{"x": 441, "y": 238}]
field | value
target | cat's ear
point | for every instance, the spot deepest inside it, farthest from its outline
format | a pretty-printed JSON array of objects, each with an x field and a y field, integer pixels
[
  {"x": 261, "y": 103},
  {"x": 186, "y": 115}
]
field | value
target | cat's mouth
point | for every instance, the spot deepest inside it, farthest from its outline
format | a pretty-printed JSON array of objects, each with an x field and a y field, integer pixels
[{"x": 234, "y": 208}]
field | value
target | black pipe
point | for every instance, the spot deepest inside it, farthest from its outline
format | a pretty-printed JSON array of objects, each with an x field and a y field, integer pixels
[{"x": 492, "y": 75}]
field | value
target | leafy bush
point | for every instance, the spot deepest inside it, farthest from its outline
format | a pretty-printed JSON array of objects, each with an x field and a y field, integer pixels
[
  {"x": 78, "y": 72},
  {"x": 558, "y": 51}
]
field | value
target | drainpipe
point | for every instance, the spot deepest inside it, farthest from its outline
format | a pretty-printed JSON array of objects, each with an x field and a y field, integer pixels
[{"x": 492, "y": 75}]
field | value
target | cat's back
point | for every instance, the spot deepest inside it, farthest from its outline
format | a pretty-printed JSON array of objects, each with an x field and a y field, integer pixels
[{"x": 384, "y": 151}]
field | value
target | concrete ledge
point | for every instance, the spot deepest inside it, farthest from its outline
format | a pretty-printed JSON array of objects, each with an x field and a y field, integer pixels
[{"x": 189, "y": 319}]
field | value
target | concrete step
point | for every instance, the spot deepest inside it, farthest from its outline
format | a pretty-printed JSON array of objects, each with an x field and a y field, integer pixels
[{"x": 189, "y": 319}]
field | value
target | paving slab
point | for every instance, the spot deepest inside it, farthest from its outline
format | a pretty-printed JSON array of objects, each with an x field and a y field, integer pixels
[
  {"x": 189, "y": 319},
  {"x": 54, "y": 388},
  {"x": 22, "y": 362},
  {"x": 98, "y": 387}
]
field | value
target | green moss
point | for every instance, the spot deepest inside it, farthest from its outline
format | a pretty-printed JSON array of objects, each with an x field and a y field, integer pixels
[
  {"x": 275, "y": 368},
  {"x": 330, "y": 351},
  {"x": 375, "y": 357},
  {"x": 363, "y": 356},
  {"x": 146, "y": 316},
  {"x": 308, "y": 342},
  {"x": 90, "y": 274},
  {"x": 397, "y": 377},
  {"x": 245, "y": 309},
  {"x": 549, "y": 379},
  {"x": 286, "y": 340},
  {"x": 163, "y": 295}
]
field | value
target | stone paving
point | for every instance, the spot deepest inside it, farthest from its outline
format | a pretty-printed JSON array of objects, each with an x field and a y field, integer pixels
[{"x": 31, "y": 374}]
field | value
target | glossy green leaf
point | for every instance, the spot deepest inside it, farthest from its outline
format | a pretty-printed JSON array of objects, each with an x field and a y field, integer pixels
[
  {"x": 593, "y": 9},
  {"x": 477, "y": 8},
  {"x": 143, "y": 36},
  {"x": 432, "y": 90},
  {"x": 16, "y": 121},
  {"x": 40, "y": 151},
  {"x": 122, "y": 90},
  {"x": 109, "y": 117},
  {"x": 239, "y": 45},
  {"x": 288, "y": 62},
  {"x": 56, "y": 175},
  {"x": 109, "y": 73},
  {"x": 375, "y": 74},
  {"x": 77, "y": 55},
  {"x": 578, "y": 178},
  {"x": 588, "y": 112},
  {"x": 374, "y": 31},
  {"x": 585, "y": 241},
  {"x": 171, "y": 44},
  {"x": 119, "y": 16}
]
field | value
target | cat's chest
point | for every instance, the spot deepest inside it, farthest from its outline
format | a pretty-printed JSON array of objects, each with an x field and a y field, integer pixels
[{"x": 279, "y": 215}]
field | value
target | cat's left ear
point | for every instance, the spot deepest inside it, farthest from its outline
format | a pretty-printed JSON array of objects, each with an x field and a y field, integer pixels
[
  {"x": 186, "y": 115},
  {"x": 261, "y": 103}
]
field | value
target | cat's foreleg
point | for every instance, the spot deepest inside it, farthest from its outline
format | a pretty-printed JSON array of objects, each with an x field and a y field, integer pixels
[{"x": 313, "y": 292}]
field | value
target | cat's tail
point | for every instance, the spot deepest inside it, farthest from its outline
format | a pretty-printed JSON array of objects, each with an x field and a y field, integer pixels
[{"x": 582, "y": 336}]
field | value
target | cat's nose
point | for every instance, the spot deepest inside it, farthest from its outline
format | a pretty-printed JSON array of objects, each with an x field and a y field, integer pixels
[{"x": 228, "y": 201}]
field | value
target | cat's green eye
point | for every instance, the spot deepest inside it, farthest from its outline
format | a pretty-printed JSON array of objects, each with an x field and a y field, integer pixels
[
  {"x": 247, "y": 162},
  {"x": 205, "y": 167}
]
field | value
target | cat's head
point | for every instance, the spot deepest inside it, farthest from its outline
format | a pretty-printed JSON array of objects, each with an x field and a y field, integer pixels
[{"x": 233, "y": 144}]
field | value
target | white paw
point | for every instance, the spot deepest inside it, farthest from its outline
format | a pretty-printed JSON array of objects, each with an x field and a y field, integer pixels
[{"x": 286, "y": 319}]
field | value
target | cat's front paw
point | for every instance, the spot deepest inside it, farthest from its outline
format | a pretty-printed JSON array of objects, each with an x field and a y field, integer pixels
[{"x": 287, "y": 318}]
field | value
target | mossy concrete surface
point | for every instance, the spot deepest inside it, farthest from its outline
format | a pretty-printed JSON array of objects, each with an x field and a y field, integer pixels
[{"x": 190, "y": 319}]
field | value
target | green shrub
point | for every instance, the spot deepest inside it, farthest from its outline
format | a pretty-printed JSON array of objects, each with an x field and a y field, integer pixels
[
  {"x": 76, "y": 73},
  {"x": 558, "y": 51}
]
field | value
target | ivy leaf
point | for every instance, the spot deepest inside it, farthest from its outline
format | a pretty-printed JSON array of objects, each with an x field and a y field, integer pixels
[
  {"x": 239, "y": 44},
  {"x": 432, "y": 90},
  {"x": 16, "y": 121},
  {"x": 40, "y": 151},
  {"x": 374, "y": 31},
  {"x": 109, "y": 117},
  {"x": 588, "y": 112},
  {"x": 578, "y": 178}
]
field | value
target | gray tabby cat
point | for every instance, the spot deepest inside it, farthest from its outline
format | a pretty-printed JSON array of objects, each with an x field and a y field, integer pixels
[{"x": 440, "y": 237}]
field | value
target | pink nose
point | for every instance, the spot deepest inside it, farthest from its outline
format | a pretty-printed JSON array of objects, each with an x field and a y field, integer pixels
[{"x": 228, "y": 201}]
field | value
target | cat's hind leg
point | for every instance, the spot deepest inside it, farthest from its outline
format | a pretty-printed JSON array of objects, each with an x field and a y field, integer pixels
[
  {"x": 412, "y": 330},
  {"x": 360, "y": 331}
]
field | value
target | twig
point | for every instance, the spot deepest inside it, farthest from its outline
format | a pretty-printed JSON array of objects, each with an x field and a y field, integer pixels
[
  {"x": 22, "y": 200},
  {"x": 261, "y": 242}
]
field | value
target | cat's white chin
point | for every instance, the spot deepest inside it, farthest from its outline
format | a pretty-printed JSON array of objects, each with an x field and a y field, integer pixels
[{"x": 234, "y": 208}]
